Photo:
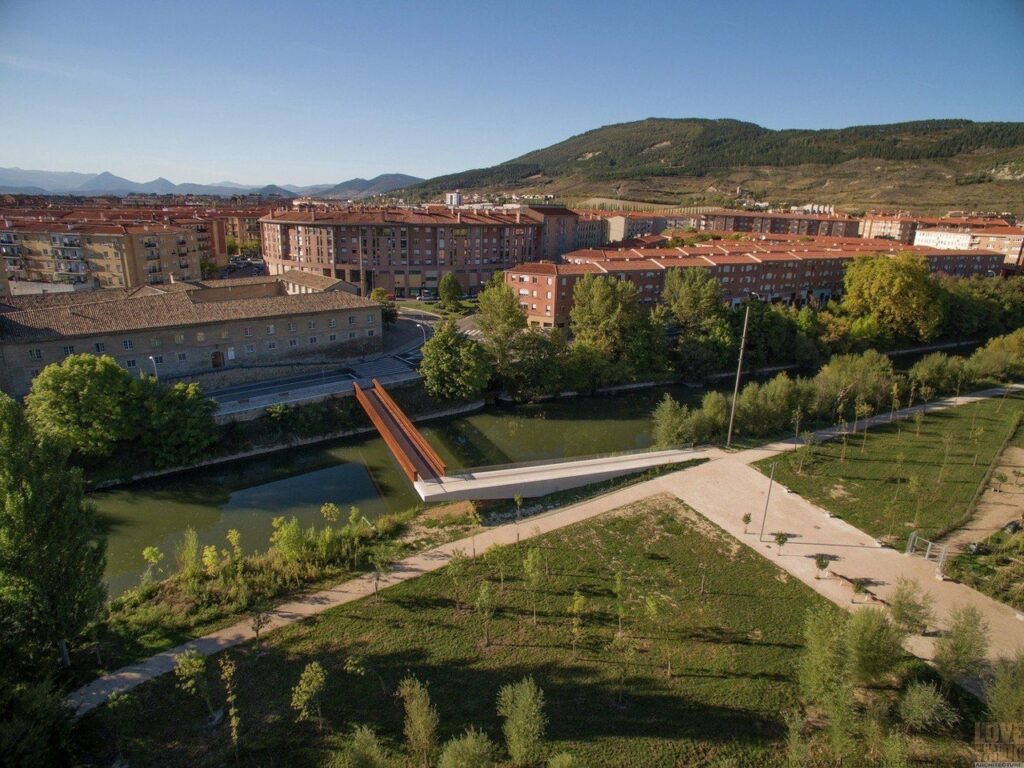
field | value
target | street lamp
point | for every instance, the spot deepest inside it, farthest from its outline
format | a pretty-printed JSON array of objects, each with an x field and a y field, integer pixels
[
  {"x": 739, "y": 367},
  {"x": 423, "y": 329},
  {"x": 156, "y": 374}
]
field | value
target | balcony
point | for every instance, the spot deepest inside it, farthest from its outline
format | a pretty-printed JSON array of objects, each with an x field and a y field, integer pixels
[
  {"x": 67, "y": 253},
  {"x": 71, "y": 242},
  {"x": 152, "y": 256},
  {"x": 183, "y": 265},
  {"x": 70, "y": 268},
  {"x": 152, "y": 269},
  {"x": 150, "y": 244}
]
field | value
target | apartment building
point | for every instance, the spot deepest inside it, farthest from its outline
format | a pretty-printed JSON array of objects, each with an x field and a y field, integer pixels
[
  {"x": 1008, "y": 241},
  {"x": 99, "y": 255},
  {"x": 807, "y": 224},
  {"x": 5, "y": 288},
  {"x": 898, "y": 228},
  {"x": 591, "y": 230},
  {"x": 186, "y": 329},
  {"x": 558, "y": 229},
  {"x": 787, "y": 273},
  {"x": 242, "y": 224},
  {"x": 405, "y": 251}
]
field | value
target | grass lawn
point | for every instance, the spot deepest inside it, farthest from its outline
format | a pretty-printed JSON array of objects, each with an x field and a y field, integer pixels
[
  {"x": 900, "y": 481},
  {"x": 733, "y": 652}
]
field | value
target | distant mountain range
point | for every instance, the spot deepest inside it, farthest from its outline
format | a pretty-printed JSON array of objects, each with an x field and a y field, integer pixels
[
  {"x": 929, "y": 164},
  {"x": 30, "y": 182}
]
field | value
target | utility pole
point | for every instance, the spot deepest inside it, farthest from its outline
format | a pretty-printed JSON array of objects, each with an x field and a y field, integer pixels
[{"x": 739, "y": 367}]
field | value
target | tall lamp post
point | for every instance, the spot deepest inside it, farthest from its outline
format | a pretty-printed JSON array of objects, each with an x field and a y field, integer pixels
[
  {"x": 156, "y": 374},
  {"x": 739, "y": 367}
]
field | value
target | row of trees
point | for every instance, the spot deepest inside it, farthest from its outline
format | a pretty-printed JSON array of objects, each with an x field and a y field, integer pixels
[
  {"x": 849, "y": 387},
  {"x": 520, "y": 705},
  {"x": 95, "y": 408},
  {"x": 52, "y": 558},
  {"x": 616, "y": 337}
]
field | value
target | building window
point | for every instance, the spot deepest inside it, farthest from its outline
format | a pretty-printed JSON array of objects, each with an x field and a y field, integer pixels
[
  {"x": 223, "y": 334},
  {"x": 351, "y": 319},
  {"x": 332, "y": 323},
  {"x": 312, "y": 339},
  {"x": 272, "y": 345},
  {"x": 179, "y": 338},
  {"x": 369, "y": 319},
  {"x": 351, "y": 334},
  {"x": 247, "y": 331},
  {"x": 291, "y": 327},
  {"x": 99, "y": 347},
  {"x": 159, "y": 359},
  {"x": 200, "y": 336},
  {"x": 370, "y": 332},
  {"x": 154, "y": 343},
  {"x": 129, "y": 363},
  {"x": 271, "y": 330},
  {"x": 334, "y": 337},
  {"x": 292, "y": 342},
  {"x": 33, "y": 373},
  {"x": 128, "y": 345},
  {"x": 69, "y": 350},
  {"x": 250, "y": 347},
  {"x": 35, "y": 354},
  {"x": 311, "y": 324},
  {"x": 182, "y": 357}
]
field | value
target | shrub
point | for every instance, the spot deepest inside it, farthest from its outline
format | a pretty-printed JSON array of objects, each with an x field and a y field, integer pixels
[
  {"x": 924, "y": 709},
  {"x": 872, "y": 644},
  {"x": 911, "y": 608},
  {"x": 1005, "y": 693},
  {"x": 366, "y": 751},
  {"x": 522, "y": 706},
  {"x": 960, "y": 652},
  {"x": 471, "y": 750},
  {"x": 420, "y": 718}
]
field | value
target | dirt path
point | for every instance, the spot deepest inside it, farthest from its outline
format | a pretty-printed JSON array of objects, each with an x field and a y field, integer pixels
[{"x": 999, "y": 503}]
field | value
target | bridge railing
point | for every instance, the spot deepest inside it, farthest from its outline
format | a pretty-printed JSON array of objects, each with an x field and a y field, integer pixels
[
  {"x": 467, "y": 471},
  {"x": 382, "y": 428},
  {"x": 426, "y": 449}
]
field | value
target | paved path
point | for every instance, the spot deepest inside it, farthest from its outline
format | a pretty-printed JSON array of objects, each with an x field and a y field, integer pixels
[{"x": 722, "y": 490}]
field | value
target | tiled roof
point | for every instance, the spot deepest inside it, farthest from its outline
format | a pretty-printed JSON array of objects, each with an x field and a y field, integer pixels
[{"x": 121, "y": 313}]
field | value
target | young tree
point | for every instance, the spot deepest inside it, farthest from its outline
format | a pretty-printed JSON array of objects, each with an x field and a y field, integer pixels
[
  {"x": 533, "y": 569},
  {"x": 449, "y": 291},
  {"x": 308, "y": 692},
  {"x": 470, "y": 750},
  {"x": 873, "y": 646},
  {"x": 1005, "y": 692},
  {"x": 190, "y": 671},
  {"x": 366, "y": 751},
  {"x": 960, "y": 651},
  {"x": 388, "y": 308},
  {"x": 495, "y": 557},
  {"x": 259, "y": 620},
  {"x": 453, "y": 367},
  {"x": 420, "y": 719},
  {"x": 821, "y": 562},
  {"x": 780, "y": 541},
  {"x": 485, "y": 608},
  {"x": 823, "y": 666},
  {"x": 227, "y": 677},
  {"x": 52, "y": 557},
  {"x": 924, "y": 709},
  {"x": 522, "y": 706},
  {"x": 910, "y": 607},
  {"x": 747, "y": 517},
  {"x": 619, "y": 590},
  {"x": 86, "y": 402},
  {"x": 577, "y": 611}
]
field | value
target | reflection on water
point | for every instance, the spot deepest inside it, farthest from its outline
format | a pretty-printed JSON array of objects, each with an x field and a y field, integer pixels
[{"x": 248, "y": 494}]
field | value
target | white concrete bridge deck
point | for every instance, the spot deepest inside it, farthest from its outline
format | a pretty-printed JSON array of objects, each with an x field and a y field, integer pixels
[{"x": 541, "y": 479}]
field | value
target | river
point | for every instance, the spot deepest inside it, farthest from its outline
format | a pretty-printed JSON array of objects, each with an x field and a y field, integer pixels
[{"x": 247, "y": 494}]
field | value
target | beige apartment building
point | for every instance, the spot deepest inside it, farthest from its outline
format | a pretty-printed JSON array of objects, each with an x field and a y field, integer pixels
[
  {"x": 100, "y": 255},
  {"x": 182, "y": 330},
  {"x": 898, "y": 228},
  {"x": 1008, "y": 241},
  {"x": 402, "y": 250}
]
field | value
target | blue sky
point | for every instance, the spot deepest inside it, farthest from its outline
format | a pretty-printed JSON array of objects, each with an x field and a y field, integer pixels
[{"x": 309, "y": 92}]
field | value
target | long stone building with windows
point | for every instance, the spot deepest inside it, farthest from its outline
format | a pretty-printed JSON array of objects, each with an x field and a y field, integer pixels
[{"x": 182, "y": 330}]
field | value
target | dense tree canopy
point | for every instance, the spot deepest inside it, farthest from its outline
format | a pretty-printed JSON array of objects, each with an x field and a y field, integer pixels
[
  {"x": 897, "y": 293},
  {"x": 454, "y": 367},
  {"x": 501, "y": 320}
]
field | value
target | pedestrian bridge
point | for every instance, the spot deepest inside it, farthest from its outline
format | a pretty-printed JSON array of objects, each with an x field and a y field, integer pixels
[
  {"x": 413, "y": 453},
  {"x": 426, "y": 470}
]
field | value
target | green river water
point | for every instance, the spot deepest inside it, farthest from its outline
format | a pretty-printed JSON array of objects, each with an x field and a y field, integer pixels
[{"x": 249, "y": 493}]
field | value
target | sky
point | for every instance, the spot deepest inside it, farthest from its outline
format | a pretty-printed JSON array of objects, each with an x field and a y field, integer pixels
[{"x": 303, "y": 92}]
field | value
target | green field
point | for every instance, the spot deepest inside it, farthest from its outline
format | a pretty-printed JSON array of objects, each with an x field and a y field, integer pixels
[
  {"x": 733, "y": 650},
  {"x": 898, "y": 480}
]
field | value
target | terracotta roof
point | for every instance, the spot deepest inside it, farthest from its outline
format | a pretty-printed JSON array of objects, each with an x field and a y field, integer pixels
[{"x": 121, "y": 313}]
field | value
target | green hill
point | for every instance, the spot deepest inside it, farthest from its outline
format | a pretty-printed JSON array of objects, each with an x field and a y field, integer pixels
[{"x": 929, "y": 163}]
